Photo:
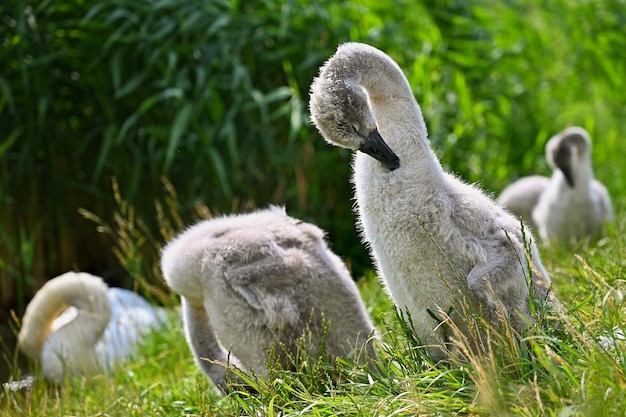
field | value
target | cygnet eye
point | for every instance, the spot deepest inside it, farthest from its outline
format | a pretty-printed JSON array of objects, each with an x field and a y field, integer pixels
[{"x": 355, "y": 128}]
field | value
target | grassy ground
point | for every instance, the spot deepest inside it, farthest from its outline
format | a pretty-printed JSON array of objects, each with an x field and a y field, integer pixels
[{"x": 562, "y": 372}]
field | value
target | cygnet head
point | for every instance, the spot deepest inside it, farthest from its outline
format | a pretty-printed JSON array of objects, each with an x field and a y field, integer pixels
[
  {"x": 340, "y": 110},
  {"x": 568, "y": 150}
]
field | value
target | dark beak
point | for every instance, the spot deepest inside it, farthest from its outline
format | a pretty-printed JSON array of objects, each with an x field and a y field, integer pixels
[
  {"x": 567, "y": 172},
  {"x": 376, "y": 147}
]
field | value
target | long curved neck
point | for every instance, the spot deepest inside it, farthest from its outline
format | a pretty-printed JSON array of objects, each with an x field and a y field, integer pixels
[
  {"x": 204, "y": 342},
  {"x": 84, "y": 292},
  {"x": 397, "y": 113},
  {"x": 72, "y": 348},
  {"x": 582, "y": 173}
]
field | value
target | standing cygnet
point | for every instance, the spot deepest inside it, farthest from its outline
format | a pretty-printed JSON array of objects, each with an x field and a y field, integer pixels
[
  {"x": 574, "y": 205},
  {"x": 435, "y": 239},
  {"x": 76, "y": 325},
  {"x": 253, "y": 282},
  {"x": 521, "y": 196}
]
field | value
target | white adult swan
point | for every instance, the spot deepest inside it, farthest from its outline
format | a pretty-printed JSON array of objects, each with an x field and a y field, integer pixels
[
  {"x": 574, "y": 204},
  {"x": 76, "y": 325},
  {"x": 252, "y": 282},
  {"x": 434, "y": 238}
]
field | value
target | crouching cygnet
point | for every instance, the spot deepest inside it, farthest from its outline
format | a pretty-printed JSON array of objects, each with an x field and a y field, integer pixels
[
  {"x": 76, "y": 325},
  {"x": 260, "y": 282},
  {"x": 574, "y": 204},
  {"x": 571, "y": 204}
]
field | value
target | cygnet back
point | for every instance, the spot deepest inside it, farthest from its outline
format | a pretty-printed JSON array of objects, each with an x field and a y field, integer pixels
[{"x": 263, "y": 280}]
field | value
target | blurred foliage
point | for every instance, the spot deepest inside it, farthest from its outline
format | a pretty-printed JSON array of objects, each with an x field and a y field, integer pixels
[{"x": 213, "y": 97}]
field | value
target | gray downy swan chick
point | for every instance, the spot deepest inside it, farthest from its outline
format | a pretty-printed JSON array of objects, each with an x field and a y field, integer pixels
[
  {"x": 433, "y": 237},
  {"x": 76, "y": 325},
  {"x": 521, "y": 196},
  {"x": 574, "y": 205},
  {"x": 257, "y": 281}
]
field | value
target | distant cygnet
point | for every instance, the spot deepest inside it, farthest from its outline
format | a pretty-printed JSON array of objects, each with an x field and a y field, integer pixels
[
  {"x": 435, "y": 239},
  {"x": 521, "y": 196},
  {"x": 574, "y": 205},
  {"x": 76, "y": 325},
  {"x": 257, "y": 281}
]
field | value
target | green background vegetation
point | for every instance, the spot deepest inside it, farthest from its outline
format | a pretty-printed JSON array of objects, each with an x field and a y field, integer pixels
[
  {"x": 212, "y": 96},
  {"x": 121, "y": 122}
]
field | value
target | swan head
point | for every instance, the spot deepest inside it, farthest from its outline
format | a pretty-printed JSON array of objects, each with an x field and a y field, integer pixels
[
  {"x": 340, "y": 110},
  {"x": 568, "y": 150}
]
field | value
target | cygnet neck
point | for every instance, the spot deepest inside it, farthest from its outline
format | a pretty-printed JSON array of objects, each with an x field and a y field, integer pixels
[
  {"x": 77, "y": 340},
  {"x": 397, "y": 113},
  {"x": 583, "y": 177}
]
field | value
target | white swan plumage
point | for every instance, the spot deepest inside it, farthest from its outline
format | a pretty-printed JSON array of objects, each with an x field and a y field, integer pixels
[
  {"x": 434, "y": 238},
  {"x": 76, "y": 325},
  {"x": 252, "y": 282},
  {"x": 574, "y": 205}
]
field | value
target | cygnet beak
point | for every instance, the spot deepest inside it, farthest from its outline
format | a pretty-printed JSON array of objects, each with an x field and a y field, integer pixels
[
  {"x": 569, "y": 177},
  {"x": 375, "y": 146}
]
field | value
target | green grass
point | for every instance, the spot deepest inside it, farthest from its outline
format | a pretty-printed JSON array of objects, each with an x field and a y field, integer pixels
[{"x": 552, "y": 372}]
